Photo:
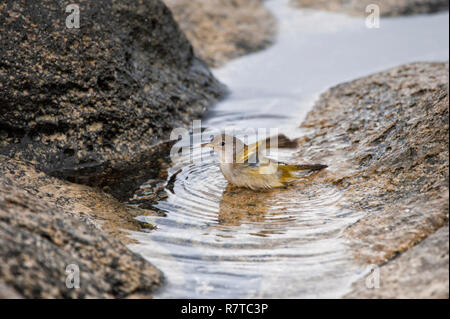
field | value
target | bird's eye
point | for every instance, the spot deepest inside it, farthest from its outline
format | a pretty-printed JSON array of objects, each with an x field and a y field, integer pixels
[{"x": 223, "y": 143}]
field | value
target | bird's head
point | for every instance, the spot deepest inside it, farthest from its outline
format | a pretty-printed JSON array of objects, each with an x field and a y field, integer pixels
[{"x": 226, "y": 147}]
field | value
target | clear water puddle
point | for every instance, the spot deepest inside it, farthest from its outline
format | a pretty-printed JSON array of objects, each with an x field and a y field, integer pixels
[{"x": 216, "y": 242}]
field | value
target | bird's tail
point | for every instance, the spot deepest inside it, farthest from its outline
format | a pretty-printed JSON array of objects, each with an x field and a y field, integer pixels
[
  {"x": 282, "y": 141},
  {"x": 288, "y": 171},
  {"x": 308, "y": 167}
]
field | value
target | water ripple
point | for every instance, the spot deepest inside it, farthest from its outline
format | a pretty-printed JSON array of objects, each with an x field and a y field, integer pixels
[{"x": 219, "y": 241}]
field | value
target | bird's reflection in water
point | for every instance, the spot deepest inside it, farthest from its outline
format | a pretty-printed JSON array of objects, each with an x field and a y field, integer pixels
[
  {"x": 269, "y": 211},
  {"x": 240, "y": 205}
]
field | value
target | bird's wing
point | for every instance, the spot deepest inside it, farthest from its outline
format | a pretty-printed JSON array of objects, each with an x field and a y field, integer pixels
[
  {"x": 248, "y": 151},
  {"x": 257, "y": 165},
  {"x": 282, "y": 142}
]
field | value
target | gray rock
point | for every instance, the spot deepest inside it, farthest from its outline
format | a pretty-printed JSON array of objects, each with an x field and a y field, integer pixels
[
  {"x": 387, "y": 7},
  {"x": 96, "y": 105},
  {"x": 38, "y": 241}
]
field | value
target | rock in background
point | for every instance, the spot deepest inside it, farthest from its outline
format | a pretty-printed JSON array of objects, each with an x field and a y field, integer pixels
[
  {"x": 221, "y": 30},
  {"x": 96, "y": 105},
  {"x": 385, "y": 137},
  {"x": 387, "y": 7}
]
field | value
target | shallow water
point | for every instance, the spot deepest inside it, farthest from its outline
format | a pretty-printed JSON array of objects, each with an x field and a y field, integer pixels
[{"x": 216, "y": 241}]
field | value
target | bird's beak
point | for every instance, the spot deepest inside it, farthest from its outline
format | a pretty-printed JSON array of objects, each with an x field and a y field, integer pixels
[{"x": 206, "y": 145}]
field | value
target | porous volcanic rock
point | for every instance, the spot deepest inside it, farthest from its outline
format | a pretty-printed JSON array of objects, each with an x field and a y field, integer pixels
[
  {"x": 96, "y": 104},
  {"x": 385, "y": 138},
  {"x": 387, "y": 7},
  {"x": 221, "y": 30},
  {"x": 38, "y": 241}
]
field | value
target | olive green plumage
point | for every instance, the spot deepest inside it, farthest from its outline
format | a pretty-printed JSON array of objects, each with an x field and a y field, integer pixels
[{"x": 246, "y": 166}]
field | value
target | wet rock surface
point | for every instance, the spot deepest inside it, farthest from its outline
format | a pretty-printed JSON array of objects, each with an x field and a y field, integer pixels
[
  {"x": 91, "y": 205},
  {"x": 421, "y": 272},
  {"x": 38, "y": 241},
  {"x": 221, "y": 30},
  {"x": 387, "y": 7},
  {"x": 95, "y": 105},
  {"x": 385, "y": 138}
]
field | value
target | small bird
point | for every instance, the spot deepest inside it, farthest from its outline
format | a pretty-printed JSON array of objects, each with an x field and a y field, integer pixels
[{"x": 244, "y": 165}]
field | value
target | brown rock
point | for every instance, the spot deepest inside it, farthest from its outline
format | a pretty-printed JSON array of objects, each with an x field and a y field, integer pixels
[
  {"x": 8, "y": 292},
  {"x": 221, "y": 30},
  {"x": 385, "y": 138},
  {"x": 387, "y": 7},
  {"x": 38, "y": 241},
  {"x": 86, "y": 203},
  {"x": 421, "y": 272}
]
